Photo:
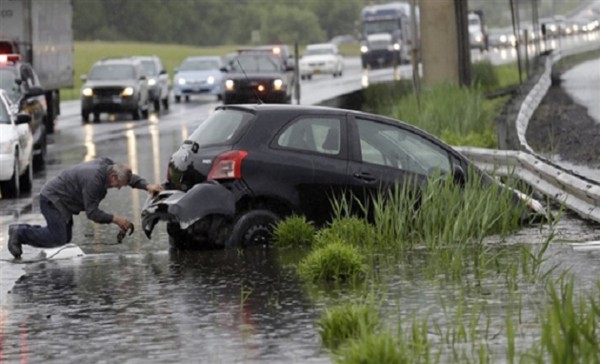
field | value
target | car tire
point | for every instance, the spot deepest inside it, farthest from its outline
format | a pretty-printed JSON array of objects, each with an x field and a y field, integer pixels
[
  {"x": 165, "y": 103},
  {"x": 25, "y": 181},
  {"x": 85, "y": 117},
  {"x": 96, "y": 118},
  {"x": 157, "y": 105},
  {"x": 11, "y": 188},
  {"x": 187, "y": 99},
  {"x": 253, "y": 228},
  {"x": 39, "y": 160},
  {"x": 135, "y": 114},
  {"x": 211, "y": 232},
  {"x": 177, "y": 99}
]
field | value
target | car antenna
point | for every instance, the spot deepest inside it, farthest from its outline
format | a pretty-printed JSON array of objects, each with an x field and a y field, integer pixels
[{"x": 260, "y": 102}]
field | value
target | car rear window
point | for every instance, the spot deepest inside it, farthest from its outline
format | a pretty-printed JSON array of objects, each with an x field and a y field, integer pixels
[
  {"x": 221, "y": 128},
  {"x": 4, "y": 117}
]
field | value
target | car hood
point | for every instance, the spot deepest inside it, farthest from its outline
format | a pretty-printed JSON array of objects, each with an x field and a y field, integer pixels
[
  {"x": 7, "y": 133},
  {"x": 110, "y": 83},
  {"x": 256, "y": 76},
  {"x": 198, "y": 75}
]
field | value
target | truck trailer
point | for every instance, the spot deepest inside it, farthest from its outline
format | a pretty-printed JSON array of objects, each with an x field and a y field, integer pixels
[{"x": 41, "y": 32}]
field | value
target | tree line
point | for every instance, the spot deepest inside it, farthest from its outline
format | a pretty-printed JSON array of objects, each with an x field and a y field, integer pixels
[
  {"x": 215, "y": 22},
  {"x": 220, "y": 22}
]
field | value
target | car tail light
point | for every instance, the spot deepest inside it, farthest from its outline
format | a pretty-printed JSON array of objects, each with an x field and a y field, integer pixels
[{"x": 228, "y": 165}]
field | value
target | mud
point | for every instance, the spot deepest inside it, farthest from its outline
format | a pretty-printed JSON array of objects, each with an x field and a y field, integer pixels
[{"x": 561, "y": 127}]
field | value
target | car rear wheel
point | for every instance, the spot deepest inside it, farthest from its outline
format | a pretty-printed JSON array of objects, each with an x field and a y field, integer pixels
[
  {"x": 211, "y": 232},
  {"x": 85, "y": 117},
  {"x": 39, "y": 159},
  {"x": 11, "y": 188},
  {"x": 253, "y": 228},
  {"x": 25, "y": 181},
  {"x": 178, "y": 99},
  {"x": 157, "y": 105}
]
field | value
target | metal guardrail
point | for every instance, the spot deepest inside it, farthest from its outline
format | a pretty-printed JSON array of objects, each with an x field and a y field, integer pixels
[{"x": 577, "y": 193}]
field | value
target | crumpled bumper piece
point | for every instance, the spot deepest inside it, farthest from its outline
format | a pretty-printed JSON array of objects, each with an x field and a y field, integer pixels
[{"x": 202, "y": 200}]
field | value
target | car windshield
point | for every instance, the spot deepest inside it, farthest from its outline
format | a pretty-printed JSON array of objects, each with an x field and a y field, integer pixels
[
  {"x": 256, "y": 63},
  {"x": 112, "y": 72},
  {"x": 150, "y": 67},
  {"x": 199, "y": 65},
  {"x": 4, "y": 116},
  {"x": 318, "y": 51},
  {"x": 8, "y": 83},
  {"x": 221, "y": 127}
]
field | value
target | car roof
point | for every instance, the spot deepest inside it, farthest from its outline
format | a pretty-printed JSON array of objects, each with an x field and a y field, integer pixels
[
  {"x": 320, "y": 45},
  {"x": 203, "y": 57}
]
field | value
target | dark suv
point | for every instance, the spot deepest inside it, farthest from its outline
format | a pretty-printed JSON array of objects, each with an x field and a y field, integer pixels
[
  {"x": 257, "y": 76},
  {"x": 23, "y": 88},
  {"x": 247, "y": 166},
  {"x": 118, "y": 85},
  {"x": 158, "y": 81}
]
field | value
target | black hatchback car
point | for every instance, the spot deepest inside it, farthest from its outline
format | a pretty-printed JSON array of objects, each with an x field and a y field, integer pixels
[{"x": 247, "y": 166}]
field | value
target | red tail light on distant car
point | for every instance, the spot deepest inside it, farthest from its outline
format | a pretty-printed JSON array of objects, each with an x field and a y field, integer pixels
[{"x": 228, "y": 165}]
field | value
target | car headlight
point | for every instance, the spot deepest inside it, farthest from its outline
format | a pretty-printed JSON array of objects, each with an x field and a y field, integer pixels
[
  {"x": 396, "y": 46},
  {"x": 210, "y": 80},
  {"x": 87, "y": 92},
  {"x": 181, "y": 81},
  {"x": 5, "y": 148},
  {"x": 127, "y": 91},
  {"x": 364, "y": 49},
  {"x": 229, "y": 85},
  {"x": 152, "y": 82},
  {"x": 278, "y": 84}
]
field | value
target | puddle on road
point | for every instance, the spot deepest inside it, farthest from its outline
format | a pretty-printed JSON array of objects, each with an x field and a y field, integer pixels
[{"x": 141, "y": 302}]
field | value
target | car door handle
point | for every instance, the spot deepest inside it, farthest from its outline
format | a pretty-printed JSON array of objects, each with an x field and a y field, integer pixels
[{"x": 365, "y": 176}]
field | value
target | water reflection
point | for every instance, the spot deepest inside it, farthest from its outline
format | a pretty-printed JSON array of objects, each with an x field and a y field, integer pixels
[{"x": 223, "y": 306}]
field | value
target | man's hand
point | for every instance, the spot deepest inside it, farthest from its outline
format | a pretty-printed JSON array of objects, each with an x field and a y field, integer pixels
[
  {"x": 122, "y": 222},
  {"x": 154, "y": 189}
]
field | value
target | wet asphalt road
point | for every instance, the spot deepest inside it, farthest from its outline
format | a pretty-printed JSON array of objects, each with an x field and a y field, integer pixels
[{"x": 137, "y": 302}]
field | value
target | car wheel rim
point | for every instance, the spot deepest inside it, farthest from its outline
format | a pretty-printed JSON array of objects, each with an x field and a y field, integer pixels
[{"x": 257, "y": 235}]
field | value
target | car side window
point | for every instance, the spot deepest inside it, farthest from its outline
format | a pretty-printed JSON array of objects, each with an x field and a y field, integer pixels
[
  {"x": 314, "y": 134},
  {"x": 396, "y": 147}
]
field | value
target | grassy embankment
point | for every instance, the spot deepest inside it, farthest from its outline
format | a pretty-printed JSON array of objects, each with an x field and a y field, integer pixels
[{"x": 86, "y": 53}]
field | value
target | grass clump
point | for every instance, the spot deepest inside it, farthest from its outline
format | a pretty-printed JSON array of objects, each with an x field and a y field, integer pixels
[
  {"x": 348, "y": 321},
  {"x": 484, "y": 76},
  {"x": 334, "y": 262},
  {"x": 374, "y": 348},
  {"x": 351, "y": 230},
  {"x": 294, "y": 231}
]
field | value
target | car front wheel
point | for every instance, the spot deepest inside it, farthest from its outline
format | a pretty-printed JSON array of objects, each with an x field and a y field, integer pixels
[
  {"x": 253, "y": 228},
  {"x": 10, "y": 188}
]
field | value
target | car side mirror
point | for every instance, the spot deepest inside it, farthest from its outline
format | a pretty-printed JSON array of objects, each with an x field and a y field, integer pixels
[
  {"x": 163, "y": 72},
  {"x": 34, "y": 91},
  {"x": 458, "y": 175},
  {"x": 23, "y": 118},
  {"x": 223, "y": 69},
  {"x": 83, "y": 78},
  {"x": 143, "y": 78}
]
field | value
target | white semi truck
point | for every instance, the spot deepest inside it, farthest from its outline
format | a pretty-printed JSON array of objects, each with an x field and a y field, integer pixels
[{"x": 41, "y": 32}]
